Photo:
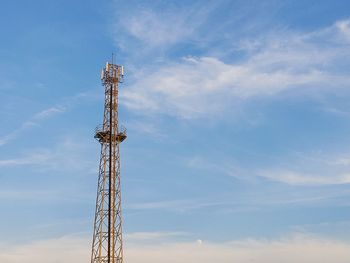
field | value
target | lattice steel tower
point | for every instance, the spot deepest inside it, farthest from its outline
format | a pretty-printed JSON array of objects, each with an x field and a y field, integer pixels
[{"x": 107, "y": 244}]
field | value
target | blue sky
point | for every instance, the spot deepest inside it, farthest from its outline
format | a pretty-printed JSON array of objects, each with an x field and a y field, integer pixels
[{"x": 238, "y": 123}]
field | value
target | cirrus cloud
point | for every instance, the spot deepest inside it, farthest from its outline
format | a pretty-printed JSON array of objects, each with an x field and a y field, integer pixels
[{"x": 282, "y": 61}]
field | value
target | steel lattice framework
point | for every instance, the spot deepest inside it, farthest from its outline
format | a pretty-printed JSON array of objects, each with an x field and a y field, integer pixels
[{"x": 107, "y": 244}]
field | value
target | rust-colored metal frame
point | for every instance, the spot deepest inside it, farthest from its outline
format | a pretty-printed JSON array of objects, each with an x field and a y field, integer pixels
[{"x": 107, "y": 244}]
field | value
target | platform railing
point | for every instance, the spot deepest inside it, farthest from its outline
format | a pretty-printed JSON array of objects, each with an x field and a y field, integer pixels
[{"x": 100, "y": 128}]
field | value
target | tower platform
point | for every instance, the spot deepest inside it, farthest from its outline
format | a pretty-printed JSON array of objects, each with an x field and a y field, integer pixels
[{"x": 103, "y": 136}]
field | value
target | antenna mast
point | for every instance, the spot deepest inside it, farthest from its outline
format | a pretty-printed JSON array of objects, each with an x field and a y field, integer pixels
[{"x": 107, "y": 244}]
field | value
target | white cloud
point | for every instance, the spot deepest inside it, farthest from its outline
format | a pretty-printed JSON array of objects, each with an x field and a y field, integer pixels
[
  {"x": 66, "y": 249},
  {"x": 301, "y": 249},
  {"x": 179, "y": 206},
  {"x": 162, "y": 28},
  {"x": 33, "y": 121},
  {"x": 26, "y": 195},
  {"x": 157, "y": 29},
  {"x": 345, "y": 161},
  {"x": 146, "y": 127},
  {"x": 208, "y": 85},
  {"x": 153, "y": 236},
  {"x": 260, "y": 251},
  {"x": 314, "y": 169},
  {"x": 69, "y": 153},
  {"x": 297, "y": 178},
  {"x": 34, "y": 158},
  {"x": 48, "y": 113},
  {"x": 311, "y": 169},
  {"x": 344, "y": 28}
]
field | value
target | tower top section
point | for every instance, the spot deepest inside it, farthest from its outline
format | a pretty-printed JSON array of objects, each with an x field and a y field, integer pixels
[
  {"x": 109, "y": 131},
  {"x": 112, "y": 74}
]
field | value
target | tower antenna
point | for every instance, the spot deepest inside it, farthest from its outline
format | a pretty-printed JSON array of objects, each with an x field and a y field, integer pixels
[{"x": 107, "y": 244}]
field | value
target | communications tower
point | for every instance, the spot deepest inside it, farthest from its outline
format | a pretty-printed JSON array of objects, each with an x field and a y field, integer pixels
[{"x": 107, "y": 244}]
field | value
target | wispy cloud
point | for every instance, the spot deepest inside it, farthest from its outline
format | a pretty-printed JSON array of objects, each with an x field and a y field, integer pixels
[
  {"x": 301, "y": 169},
  {"x": 35, "y": 120},
  {"x": 48, "y": 112},
  {"x": 34, "y": 158},
  {"x": 230, "y": 204},
  {"x": 178, "y": 206},
  {"x": 146, "y": 127},
  {"x": 26, "y": 195},
  {"x": 207, "y": 85},
  {"x": 297, "y": 248},
  {"x": 32, "y": 122},
  {"x": 225, "y": 167},
  {"x": 69, "y": 153},
  {"x": 312, "y": 170},
  {"x": 162, "y": 26},
  {"x": 52, "y": 250},
  {"x": 158, "y": 29},
  {"x": 299, "y": 178},
  {"x": 138, "y": 237}
]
